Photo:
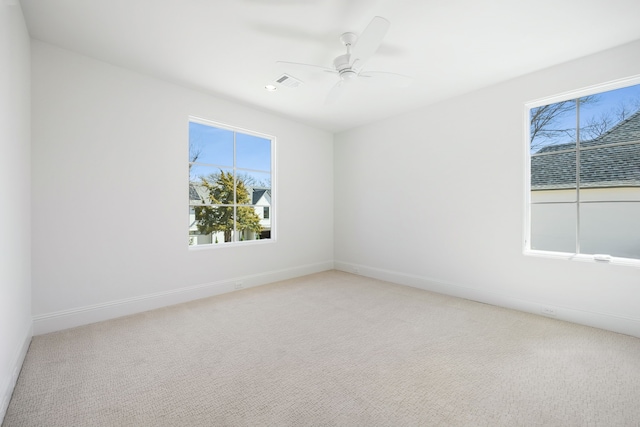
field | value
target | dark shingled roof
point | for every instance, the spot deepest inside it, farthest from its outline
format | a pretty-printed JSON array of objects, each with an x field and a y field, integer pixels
[
  {"x": 259, "y": 192},
  {"x": 616, "y": 166},
  {"x": 193, "y": 193}
]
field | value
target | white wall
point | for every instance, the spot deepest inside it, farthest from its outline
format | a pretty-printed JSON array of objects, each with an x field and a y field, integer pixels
[
  {"x": 15, "y": 196},
  {"x": 435, "y": 199},
  {"x": 110, "y": 180}
]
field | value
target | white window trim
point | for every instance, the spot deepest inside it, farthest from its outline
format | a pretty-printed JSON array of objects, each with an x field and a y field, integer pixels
[
  {"x": 526, "y": 249},
  {"x": 273, "y": 214}
]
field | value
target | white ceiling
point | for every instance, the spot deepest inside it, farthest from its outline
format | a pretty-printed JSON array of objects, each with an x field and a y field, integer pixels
[{"x": 229, "y": 47}]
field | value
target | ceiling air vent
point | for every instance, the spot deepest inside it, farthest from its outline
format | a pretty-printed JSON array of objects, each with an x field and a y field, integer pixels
[{"x": 288, "y": 81}]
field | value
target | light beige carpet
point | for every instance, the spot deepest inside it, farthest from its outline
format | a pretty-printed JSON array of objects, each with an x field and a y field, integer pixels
[{"x": 330, "y": 349}]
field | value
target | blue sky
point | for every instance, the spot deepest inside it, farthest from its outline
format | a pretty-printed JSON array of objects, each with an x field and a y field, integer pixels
[
  {"x": 607, "y": 103},
  {"x": 216, "y": 151},
  {"x": 611, "y": 100}
]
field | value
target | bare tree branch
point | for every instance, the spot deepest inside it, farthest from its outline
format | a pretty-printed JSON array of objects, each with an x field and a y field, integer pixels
[{"x": 546, "y": 121}]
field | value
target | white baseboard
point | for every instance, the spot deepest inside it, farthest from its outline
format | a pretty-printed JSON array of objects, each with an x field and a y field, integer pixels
[
  {"x": 65, "y": 319},
  {"x": 7, "y": 388},
  {"x": 610, "y": 322},
  {"x": 51, "y": 322}
]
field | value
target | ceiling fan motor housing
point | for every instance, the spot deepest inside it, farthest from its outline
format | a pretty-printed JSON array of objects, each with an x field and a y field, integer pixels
[{"x": 342, "y": 62}]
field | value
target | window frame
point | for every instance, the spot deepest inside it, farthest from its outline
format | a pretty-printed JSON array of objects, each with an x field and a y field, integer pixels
[
  {"x": 528, "y": 106},
  {"x": 273, "y": 191}
]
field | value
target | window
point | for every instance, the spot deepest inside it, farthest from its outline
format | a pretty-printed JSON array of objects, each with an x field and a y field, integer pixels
[
  {"x": 230, "y": 184},
  {"x": 584, "y": 174}
]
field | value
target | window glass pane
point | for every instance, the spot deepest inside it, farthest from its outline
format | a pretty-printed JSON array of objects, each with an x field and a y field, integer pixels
[
  {"x": 610, "y": 228},
  {"x": 214, "y": 222},
  {"x": 197, "y": 238},
  {"x": 605, "y": 117},
  {"x": 254, "y": 182},
  {"x": 249, "y": 223},
  {"x": 198, "y": 173},
  {"x": 193, "y": 229},
  {"x": 553, "y": 227},
  {"x": 210, "y": 145},
  {"x": 253, "y": 152},
  {"x": 611, "y": 167},
  {"x": 196, "y": 194},
  {"x": 553, "y": 127},
  {"x": 213, "y": 186},
  {"x": 262, "y": 206},
  {"x": 243, "y": 192},
  {"x": 553, "y": 177}
]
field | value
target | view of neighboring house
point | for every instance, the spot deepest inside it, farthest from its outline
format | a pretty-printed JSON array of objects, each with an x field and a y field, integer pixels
[
  {"x": 609, "y": 195},
  {"x": 260, "y": 200}
]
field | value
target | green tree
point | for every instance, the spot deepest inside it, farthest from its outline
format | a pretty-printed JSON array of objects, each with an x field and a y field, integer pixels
[{"x": 220, "y": 190}]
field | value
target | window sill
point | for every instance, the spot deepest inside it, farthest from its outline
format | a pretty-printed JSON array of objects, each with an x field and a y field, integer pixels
[
  {"x": 231, "y": 244},
  {"x": 599, "y": 259}
]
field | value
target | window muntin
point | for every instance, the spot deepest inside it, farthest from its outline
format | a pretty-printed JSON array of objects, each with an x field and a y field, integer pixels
[
  {"x": 230, "y": 184},
  {"x": 584, "y": 174}
]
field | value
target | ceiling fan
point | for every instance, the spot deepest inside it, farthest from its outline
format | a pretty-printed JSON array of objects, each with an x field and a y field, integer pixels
[{"x": 349, "y": 67}]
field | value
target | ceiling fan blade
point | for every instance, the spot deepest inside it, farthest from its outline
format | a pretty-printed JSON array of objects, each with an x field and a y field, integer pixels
[
  {"x": 335, "y": 92},
  {"x": 382, "y": 77},
  {"x": 369, "y": 41},
  {"x": 307, "y": 66}
]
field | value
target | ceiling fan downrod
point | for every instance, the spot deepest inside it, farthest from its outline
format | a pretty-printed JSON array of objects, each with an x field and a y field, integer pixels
[{"x": 343, "y": 62}]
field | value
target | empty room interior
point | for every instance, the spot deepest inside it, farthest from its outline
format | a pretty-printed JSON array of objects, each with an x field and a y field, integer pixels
[{"x": 319, "y": 212}]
